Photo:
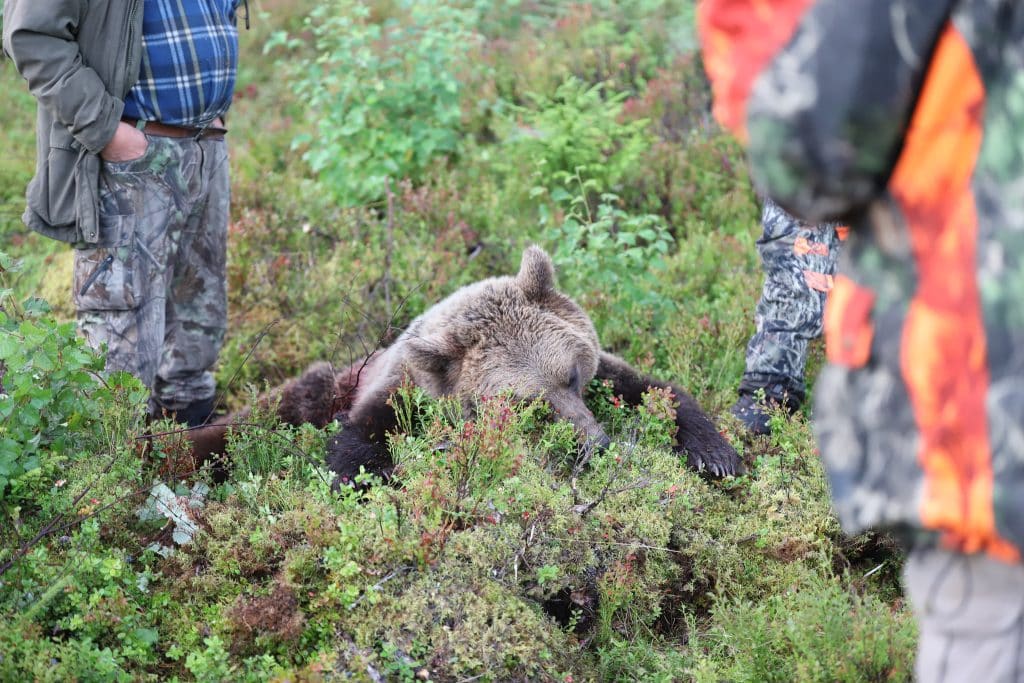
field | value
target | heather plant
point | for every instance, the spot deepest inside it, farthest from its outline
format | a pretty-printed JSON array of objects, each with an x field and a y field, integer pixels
[{"x": 825, "y": 632}]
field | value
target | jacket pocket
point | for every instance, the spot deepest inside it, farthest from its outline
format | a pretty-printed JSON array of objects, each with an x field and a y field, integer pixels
[
  {"x": 849, "y": 330},
  {"x": 52, "y": 193}
]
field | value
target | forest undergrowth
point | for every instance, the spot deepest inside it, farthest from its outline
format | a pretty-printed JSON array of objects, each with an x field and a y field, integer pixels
[{"x": 384, "y": 153}]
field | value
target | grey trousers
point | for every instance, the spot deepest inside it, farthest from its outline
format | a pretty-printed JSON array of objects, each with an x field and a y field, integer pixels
[{"x": 970, "y": 613}]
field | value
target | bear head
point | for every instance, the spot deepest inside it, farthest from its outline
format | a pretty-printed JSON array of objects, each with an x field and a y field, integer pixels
[{"x": 514, "y": 333}]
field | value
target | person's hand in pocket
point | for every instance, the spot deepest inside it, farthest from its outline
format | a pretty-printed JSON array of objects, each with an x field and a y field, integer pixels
[{"x": 128, "y": 143}]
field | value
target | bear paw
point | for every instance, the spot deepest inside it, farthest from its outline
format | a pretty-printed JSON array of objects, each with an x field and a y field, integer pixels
[{"x": 719, "y": 460}]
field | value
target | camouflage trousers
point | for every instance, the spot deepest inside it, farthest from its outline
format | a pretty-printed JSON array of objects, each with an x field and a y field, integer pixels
[
  {"x": 799, "y": 262},
  {"x": 153, "y": 288}
]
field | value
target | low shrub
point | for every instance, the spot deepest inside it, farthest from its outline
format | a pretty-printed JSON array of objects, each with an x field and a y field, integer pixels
[
  {"x": 53, "y": 394},
  {"x": 387, "y": 92}
]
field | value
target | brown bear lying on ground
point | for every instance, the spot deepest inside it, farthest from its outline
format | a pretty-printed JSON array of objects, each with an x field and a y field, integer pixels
[{"x": 515, "y": 334}]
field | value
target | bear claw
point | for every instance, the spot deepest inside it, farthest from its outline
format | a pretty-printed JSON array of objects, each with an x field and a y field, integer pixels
[{"x": 719, "y": 464}]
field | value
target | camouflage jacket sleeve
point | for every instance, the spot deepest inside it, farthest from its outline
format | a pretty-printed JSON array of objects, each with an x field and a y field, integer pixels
[{"x": 820, "y": 90}]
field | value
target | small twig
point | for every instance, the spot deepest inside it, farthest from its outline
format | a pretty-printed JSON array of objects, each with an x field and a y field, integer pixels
[
  {"x": 874, "y": 570},
  {"x": 584, "y": 510},
  {"x": 248, "y": 354},
  {"x": 389, "y": 245},
  {"x": 644, "y": 546},
  {"x": 582, "y": 459},
  {"x": 380, "y": 584}
]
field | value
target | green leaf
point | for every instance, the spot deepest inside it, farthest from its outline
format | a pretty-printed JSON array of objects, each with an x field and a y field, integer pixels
[
  {"x": 10, "y": 344},
  {"x": 149, "y": 636},
  {"x": 560, "y": 195},
  {"x": 8, "y": 263},
  {"x": 36, "y": 307}
]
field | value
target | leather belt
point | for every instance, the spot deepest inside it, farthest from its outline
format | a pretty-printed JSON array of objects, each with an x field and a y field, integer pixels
[{"x": 168, "y": 131}]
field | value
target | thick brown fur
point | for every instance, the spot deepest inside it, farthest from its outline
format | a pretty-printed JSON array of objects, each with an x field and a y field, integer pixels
[
  {"x": 513, "y": 333},
  {"x": 316, "y": 397}
]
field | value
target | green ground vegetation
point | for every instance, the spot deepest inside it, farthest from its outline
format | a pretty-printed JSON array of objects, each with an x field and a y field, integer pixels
[{"x": 384, "y": 153}]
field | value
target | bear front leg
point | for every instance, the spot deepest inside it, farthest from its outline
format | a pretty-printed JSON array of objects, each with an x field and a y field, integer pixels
[
  {"x": 362, "y": 443},
  {"x": 697, "y": 436}
]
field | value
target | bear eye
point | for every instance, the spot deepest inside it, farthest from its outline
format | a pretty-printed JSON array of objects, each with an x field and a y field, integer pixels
[{"x": 574, "y": 379}]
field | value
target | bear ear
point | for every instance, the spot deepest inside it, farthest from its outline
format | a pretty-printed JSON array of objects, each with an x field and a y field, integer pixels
[
  {"x": 536, "y": 274},
  {"x": 431, "y": 354}
]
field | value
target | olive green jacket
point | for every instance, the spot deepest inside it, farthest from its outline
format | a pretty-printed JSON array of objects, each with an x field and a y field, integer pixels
[{"x": 80, "y": 59}]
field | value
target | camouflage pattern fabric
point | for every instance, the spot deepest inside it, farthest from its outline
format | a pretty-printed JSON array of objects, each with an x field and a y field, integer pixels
[
  {"x": 903, "y": 116},
  {"x": 153, "y": 289},
  {"x": 799, "y": 261}
]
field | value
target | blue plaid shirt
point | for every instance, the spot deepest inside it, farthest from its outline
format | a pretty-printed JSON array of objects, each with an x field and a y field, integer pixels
[{"x": 189, "y": 60}]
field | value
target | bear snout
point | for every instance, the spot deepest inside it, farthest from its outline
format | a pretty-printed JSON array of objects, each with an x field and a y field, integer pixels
[
  {"x": 572, "y": 409},
  {"x": 593, "y": 438}
]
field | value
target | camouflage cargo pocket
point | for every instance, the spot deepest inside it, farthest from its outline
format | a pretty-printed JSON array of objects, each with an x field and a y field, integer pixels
[{"x": 106, "y": 276}]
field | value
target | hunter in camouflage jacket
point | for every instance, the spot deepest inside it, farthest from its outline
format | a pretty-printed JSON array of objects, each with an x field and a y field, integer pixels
[{"x": 901, "y": 119}]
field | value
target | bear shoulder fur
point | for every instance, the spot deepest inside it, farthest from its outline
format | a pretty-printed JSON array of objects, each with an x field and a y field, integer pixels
[{"x": 512, "y": 333}]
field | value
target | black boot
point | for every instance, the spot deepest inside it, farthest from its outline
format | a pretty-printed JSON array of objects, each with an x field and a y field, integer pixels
[
  {"x": 195, "y": 414},
  {"x": 754, "y": 413}
]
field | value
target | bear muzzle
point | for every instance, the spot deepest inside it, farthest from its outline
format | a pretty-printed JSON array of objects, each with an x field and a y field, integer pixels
[{"x": 570, "y": 407}]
